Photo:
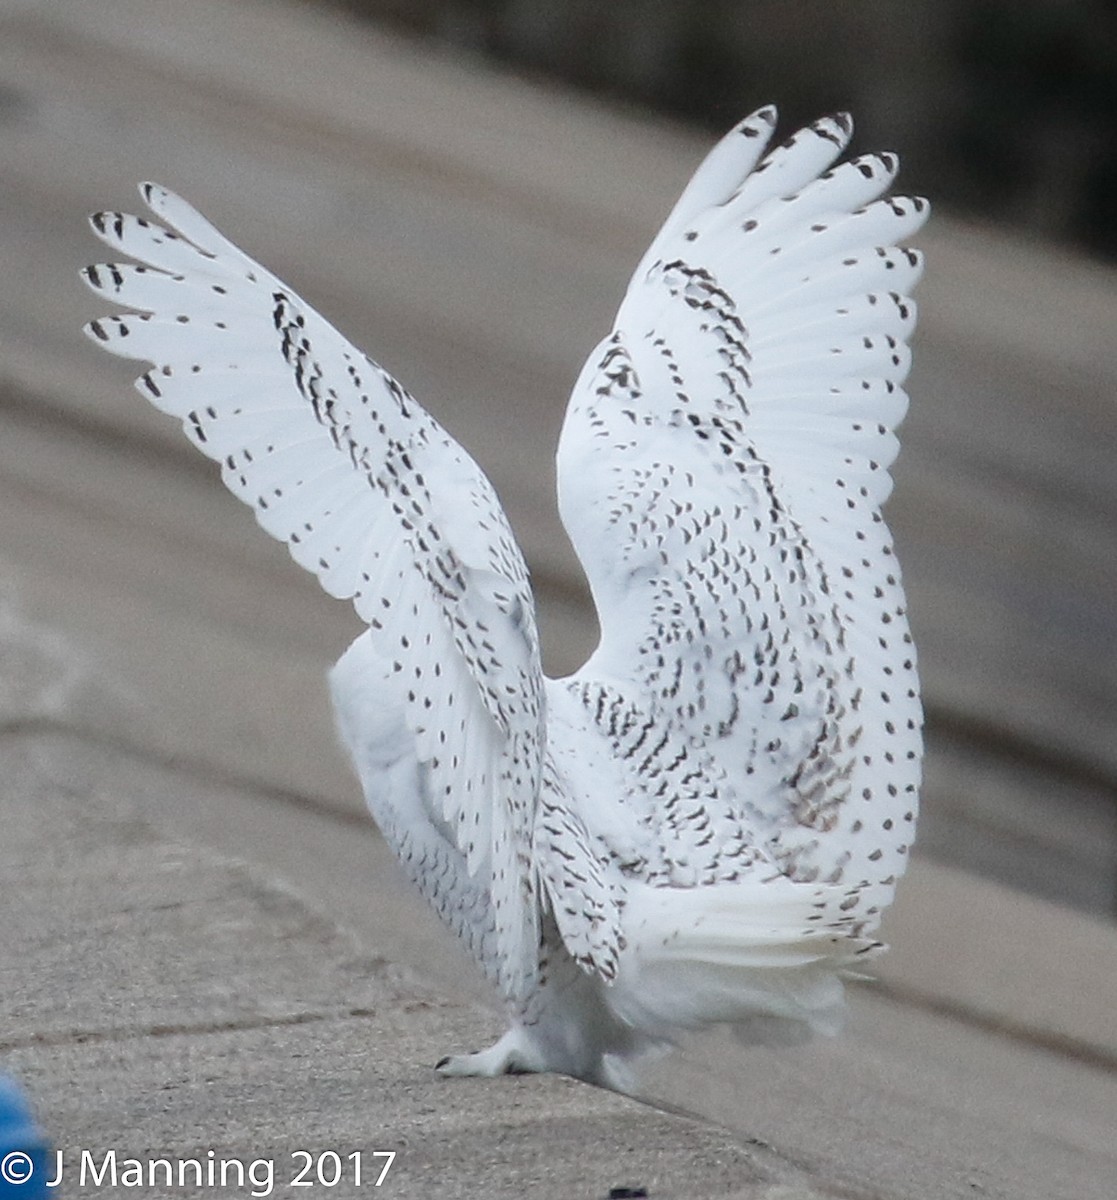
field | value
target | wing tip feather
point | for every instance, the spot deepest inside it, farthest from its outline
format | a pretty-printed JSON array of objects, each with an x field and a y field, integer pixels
[
  {"x": 836, "y": 127},
  {"x": 156, "y": 196},
  {"x": 752, "y": 125},
  {"x": 95, "y": 331}
]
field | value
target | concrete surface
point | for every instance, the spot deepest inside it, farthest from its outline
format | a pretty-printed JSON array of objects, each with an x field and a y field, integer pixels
[
  {"x": 207, "y": 945},
  {"x": 165, "y": 1001}
]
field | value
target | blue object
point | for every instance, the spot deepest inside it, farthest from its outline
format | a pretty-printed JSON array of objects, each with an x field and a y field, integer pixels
[{"x": 23, "y": 1149}]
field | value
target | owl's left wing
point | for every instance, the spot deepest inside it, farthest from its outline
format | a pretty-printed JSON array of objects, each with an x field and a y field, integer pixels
[{"x": 374, "y": 497}]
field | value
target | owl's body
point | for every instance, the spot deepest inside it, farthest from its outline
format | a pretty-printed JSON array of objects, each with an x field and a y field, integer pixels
[{"x": 704, "y": 823}]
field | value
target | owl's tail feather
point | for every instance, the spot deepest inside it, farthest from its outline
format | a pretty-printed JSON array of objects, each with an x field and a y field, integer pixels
[{"x": 766, "y": 956}]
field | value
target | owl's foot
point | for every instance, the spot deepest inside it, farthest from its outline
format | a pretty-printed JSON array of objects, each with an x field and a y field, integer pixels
[{"x": 513, "y": 1054}]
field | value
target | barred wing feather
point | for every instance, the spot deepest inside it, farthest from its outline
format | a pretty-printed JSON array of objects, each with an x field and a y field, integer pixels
[
  {"x": 721, "y": 472},
  {"x": 372, "y": 495}
]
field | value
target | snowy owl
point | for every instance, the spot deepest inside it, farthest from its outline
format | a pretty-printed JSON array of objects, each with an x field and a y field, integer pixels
[{"x": 704, "y": 823}]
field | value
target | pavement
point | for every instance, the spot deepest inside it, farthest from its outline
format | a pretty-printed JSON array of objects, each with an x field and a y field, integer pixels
[
  {"x": 207, "y": 946},
  {"x": 162, "y": 1000}
]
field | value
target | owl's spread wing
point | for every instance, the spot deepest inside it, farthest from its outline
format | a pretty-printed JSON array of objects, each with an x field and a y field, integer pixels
[
  {"x": 373, "y": 496},
  {"x": 721, "y": 472}
]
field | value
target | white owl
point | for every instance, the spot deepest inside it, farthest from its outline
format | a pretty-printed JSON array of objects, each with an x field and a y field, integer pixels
[{"x": 704, "y": 823}]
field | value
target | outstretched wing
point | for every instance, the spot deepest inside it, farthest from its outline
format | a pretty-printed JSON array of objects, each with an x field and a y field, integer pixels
[
  {"x": 721, "y": 473},
  {"x": 373, "y": 496}
]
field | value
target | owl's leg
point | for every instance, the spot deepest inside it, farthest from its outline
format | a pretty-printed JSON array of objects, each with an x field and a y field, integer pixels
[{"x": 513, "y": 1054}]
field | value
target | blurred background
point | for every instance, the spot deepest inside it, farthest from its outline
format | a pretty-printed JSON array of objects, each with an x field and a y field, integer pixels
[
  {"x": 1005, "y": 109},
  {"x": 465, "y": 187}
]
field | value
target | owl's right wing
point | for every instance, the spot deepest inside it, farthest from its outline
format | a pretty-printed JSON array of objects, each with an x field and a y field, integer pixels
[
  {"x": 375, "y": 498},
  {"x": 721, "y": 472}
]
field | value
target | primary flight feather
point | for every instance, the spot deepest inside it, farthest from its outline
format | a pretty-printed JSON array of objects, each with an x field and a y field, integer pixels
[{"x": 704, "y": 823}]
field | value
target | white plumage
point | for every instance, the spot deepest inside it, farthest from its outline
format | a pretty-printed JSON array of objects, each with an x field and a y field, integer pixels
[{"x": 705, "y": 822}]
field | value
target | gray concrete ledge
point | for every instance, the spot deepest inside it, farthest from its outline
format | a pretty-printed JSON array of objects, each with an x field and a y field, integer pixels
[{"x": 163, "y": 1000}]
